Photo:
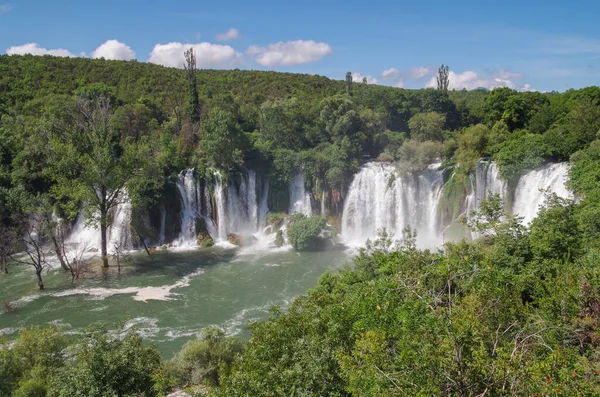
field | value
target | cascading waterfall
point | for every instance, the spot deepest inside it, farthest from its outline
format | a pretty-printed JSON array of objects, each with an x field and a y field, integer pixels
[
  {"x": 118, "y": 235},
  {"x": 381, "y": 198},
  {"x": 240, "y": 209},
  {"x": 186, "y": 185},
  {"x": 299, "y": 197},
  {"x": 486, "y": 181},
  {"x": 528, "y": 193},
  {"x": 163, "y": 225}
]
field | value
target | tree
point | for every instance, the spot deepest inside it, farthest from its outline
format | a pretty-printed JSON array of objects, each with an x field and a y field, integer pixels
[
  {"x": 193, "y": 106},
  {"x": 426, "y": 126},
  {"x": 35, "y": 252},
  {"x": 349, "y": 83},
  {"x": 91, "y": 165},
  {"x": 222, "y": 140},
  {"x": 104, "y": 365},
  {"x": 442, "y": 78},
  {"x": 201, "y": 360}
]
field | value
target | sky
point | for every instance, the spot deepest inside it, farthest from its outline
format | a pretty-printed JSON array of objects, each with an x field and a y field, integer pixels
[{"x": 541, "y": 45}]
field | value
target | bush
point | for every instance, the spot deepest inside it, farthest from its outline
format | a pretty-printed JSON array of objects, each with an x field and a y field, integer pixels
[
  {"x": 304, "y": 233},
  {"x": 519, "y": 155},
  {"x": 415, "y": 156},
  {"x": 200, "y": 361},
  {"x": 103, "y": 365}
]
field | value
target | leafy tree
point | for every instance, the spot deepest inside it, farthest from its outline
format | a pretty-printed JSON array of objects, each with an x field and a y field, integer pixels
[
  {"x": 472, "y": 142},
  {"x": 193, "y": 105},
  {"x": 222, "y": 141},
  {"x": 555, "y": 232},
  {"x": 102, "y": 365},
  {"x": 200, "y": 361},
  {"x": 349, "y": 83},
  {"x": 518, "y": 155},
  {"x": 416, "y": 156},
  {"x": 28, "y": 365},
  {"x": 426, "y": 126},
  {"x": 304, "y": 233},
  {"x": 91, "y": 165},
  {"x": 443, "y": 79}
]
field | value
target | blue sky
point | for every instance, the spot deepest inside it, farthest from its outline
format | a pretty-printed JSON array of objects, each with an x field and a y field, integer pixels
[{"x": 527, "y": 44}]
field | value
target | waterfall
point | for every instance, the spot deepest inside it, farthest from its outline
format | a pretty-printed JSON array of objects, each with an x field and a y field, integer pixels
[
  {"x": 379, "y": 197},
  {"x": 487, "y": 181},
  {"x": 528, "y": 195},
  {"x": 163, "y": 225},
  {"x": 299, "y": 197},
  {"x": 89, "y": 237},
  {"x": 323, "y": 203},
  {"x": 190, "y": 210},
  {"x": 241, "y": 209}
]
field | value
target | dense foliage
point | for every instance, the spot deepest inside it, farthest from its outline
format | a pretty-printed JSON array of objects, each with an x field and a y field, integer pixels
[{"x": 515, "y": 312}]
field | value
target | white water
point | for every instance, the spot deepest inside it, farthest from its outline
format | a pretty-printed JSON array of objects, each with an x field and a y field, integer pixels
[
  {"x": 299, "y": 197},
  {"x": 379, "y": 197},
  {"x": 88, "y": 237},
  {"x": 240, "y": 209},
  {"x": 528, "y": 195},
  {"x": 486, "y": 181},
  {"x": 190, "y": 208}
]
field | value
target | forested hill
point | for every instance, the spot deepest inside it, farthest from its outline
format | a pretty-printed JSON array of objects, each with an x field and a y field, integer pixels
[{"x": 23, "y": 78}]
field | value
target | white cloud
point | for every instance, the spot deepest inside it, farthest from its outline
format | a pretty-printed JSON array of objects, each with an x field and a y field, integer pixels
[
  {"x": 421, "y": 71},
  {"x": 113, "y": 49},
  {"x": 358, "y": 78},
  {"x": 391, "y": 74},
  {"x": 527, "y": 88},
  {"x": 231, "y": 34},
  {"x": 35, "y": 49},
  {"x": 208, "y": 55},
  {"x": 4, "y": 8},
  {"x": 399, "y": 84},
  {"x": 507, "y": 75},
  {"x": 289, "y": 53},
  {"x": 470, "y": 80}
]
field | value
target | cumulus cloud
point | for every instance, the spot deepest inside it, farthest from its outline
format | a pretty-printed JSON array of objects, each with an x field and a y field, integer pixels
[
  {"x": 289, "y": 53},
  {"x": 391, "y": 74},
  {"x": 35, "y": 49},
  {"x": 399, "y": 84},
  {"x": 527, "y": 88},
  {"x": 231, "y": 34},
  {"x": 470, "y": 80},
  {"x": 421, "y": 71},
  {"x": 113, "y": 49},
  {"x": 507, "y": 75},
  {"x": 358, "y": 78},
  {"x": 4, "y": 8},
  {"x": 208, "y": 55}
]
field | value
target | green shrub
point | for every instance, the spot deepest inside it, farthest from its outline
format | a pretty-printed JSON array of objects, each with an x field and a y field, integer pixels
[
  {"x": 200, "y": 361},
  {"x": 104, "y": 365},
  {"x": 304, "y": 233},
  {"x": 519, "y": 155}
]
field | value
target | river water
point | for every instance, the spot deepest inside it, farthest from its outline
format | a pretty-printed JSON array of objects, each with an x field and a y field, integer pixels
[{"x": 169, "y": 296}]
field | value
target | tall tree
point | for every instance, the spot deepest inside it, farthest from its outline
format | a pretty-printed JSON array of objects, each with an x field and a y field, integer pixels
[
  {"x": 443, "y": 78},
  {"x": 223, "y": 140},
  {"x": 91, "y": 165},
  {"x": 193, "y": 109},
  {"x": 349, "y": 83}
]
